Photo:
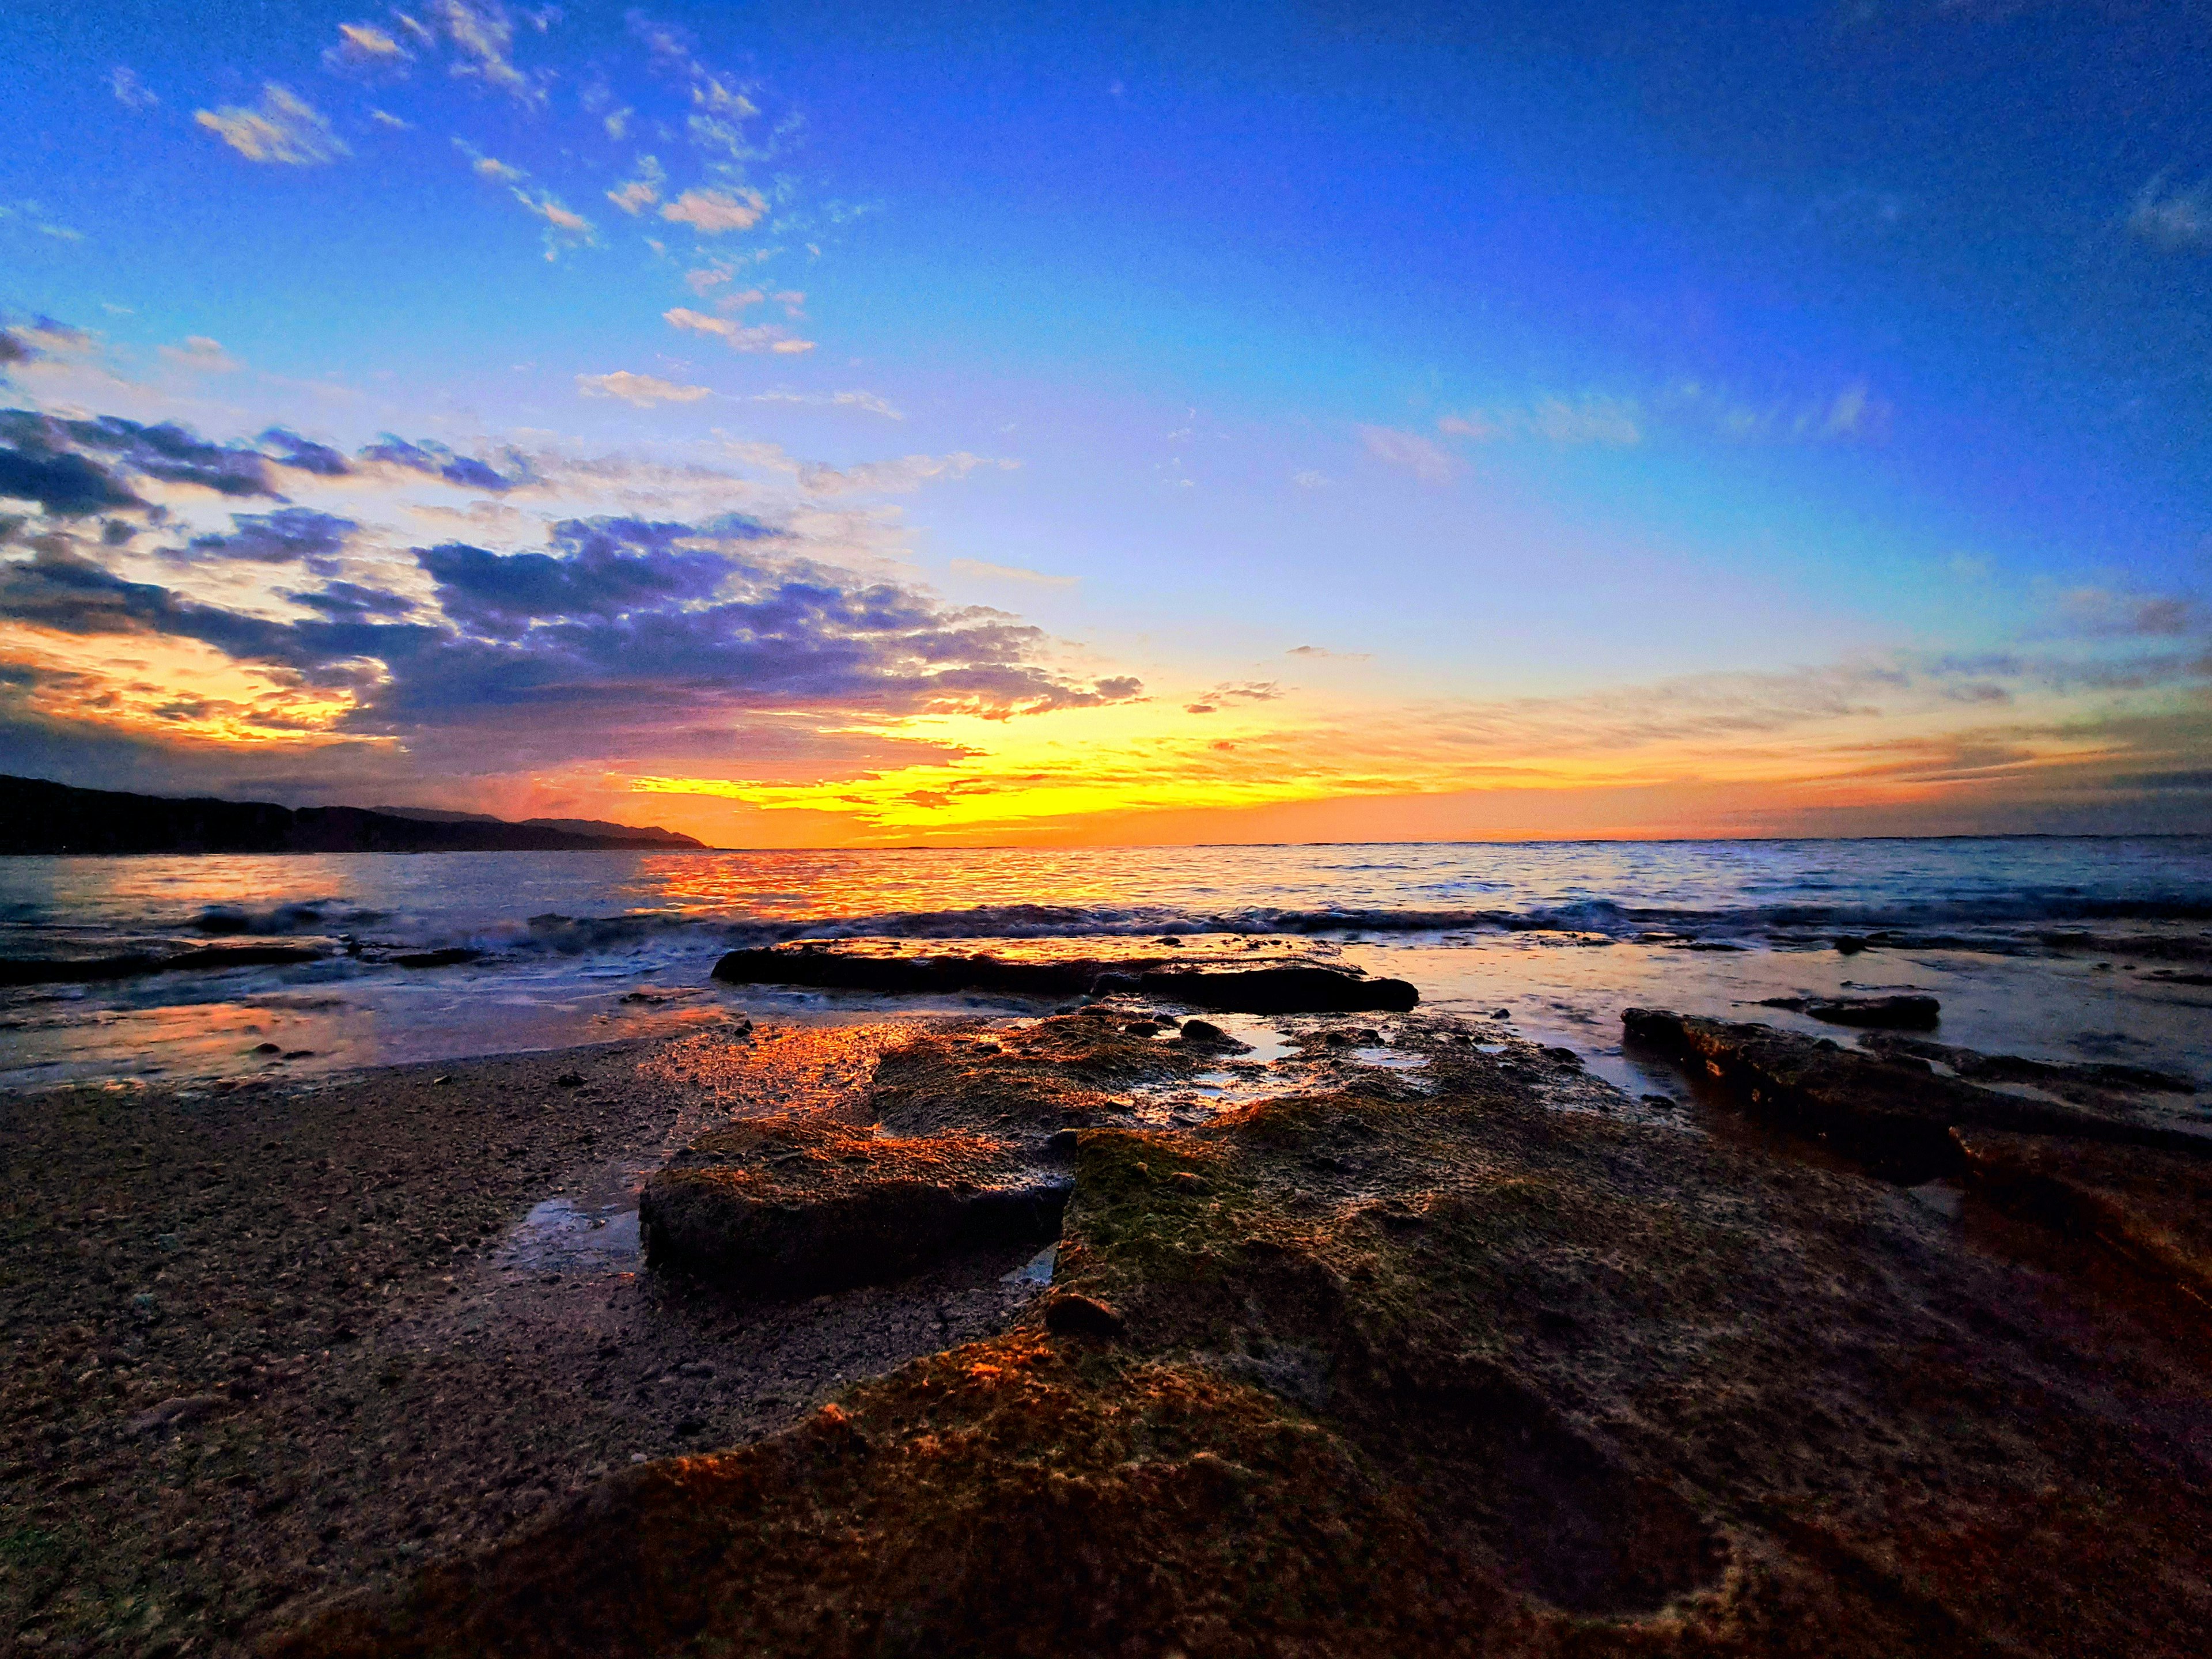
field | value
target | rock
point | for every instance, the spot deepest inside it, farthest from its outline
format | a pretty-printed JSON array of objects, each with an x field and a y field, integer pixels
[
  {"x": 452, "y": 956},
  {"x": 1069, "y": 1314},
  {"x": 790, "y": 1206},
  {"x": 174, "y": 1414},
  {"x": 1206, "y": 1033},
  {"x": 2071, "y": 1080},
  {"x": 1897, "y": 1114},
  {"x": 1902, "y": 1013},
  {"x": 1260, "y": 988},
  {"x": 570, "y": 1080},
  {"x": 2153, "y": 1209},
  {"x": 1502, "y": 1013}
]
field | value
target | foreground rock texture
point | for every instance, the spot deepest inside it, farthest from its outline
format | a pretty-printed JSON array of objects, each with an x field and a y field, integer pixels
[
  {"x": 1227, "y": 984},
  {"x": 1473, "y": 1356}
]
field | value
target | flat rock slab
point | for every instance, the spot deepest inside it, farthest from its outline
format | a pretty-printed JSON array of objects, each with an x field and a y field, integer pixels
[
  {"x": 1226, "y": 985},
  {"x": 1893, "y": 1110},
  {"x": 791, "y": 1206},
  {"x": 1896, "y": 1014}
]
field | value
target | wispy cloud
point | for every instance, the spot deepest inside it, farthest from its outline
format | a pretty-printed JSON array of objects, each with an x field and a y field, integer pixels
[
  {"x": 1409, "y": 452},
  {"x": 130, "y": 91},
  {"x": 2176, "y": 220},
  {"x": 200, "y": 355},
  {"x": 1593, "y": 418},
  {"x": 711, "y": 212},
  {"x": 867, "y": 402},
  {"x": 363, "y": 46},
  {"x": 33, "y": 217},
  {"x": 285, "y": 131},
  {"x": 637, "y": 194},
  {"x": 482, "y": 35},
  {"x": 983, "y": 570},
  {"x": 738, "y": 337},
  {"x": 645, "y": 390}
]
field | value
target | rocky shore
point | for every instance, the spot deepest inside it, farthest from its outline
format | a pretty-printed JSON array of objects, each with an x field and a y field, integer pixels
[{"x": 1106, "y": 1332}]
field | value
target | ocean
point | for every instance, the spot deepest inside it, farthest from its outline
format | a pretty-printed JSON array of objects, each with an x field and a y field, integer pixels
[{"x": 2055, "y": 948}]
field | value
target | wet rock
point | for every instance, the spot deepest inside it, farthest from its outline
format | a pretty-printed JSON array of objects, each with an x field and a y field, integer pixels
[
  {"x": 452, "y": 955},
  {"x": 2065, "y": 1079},
  {"x": 1900, "y": 1013},
  {"x": 1084, "y": 1316},
  {"x": 2153, "y": 1209},
  {"x": 1206, "y": 1034},
  {"x": 787, "y": 1207},
  {"x": 24, "y": 971},
  {"x": 1898, "y": 1114},
  {"x": 1259, "y": 988}
]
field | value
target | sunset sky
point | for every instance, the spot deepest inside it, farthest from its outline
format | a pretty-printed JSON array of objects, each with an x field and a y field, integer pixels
[{"x": 811, "y": 424}]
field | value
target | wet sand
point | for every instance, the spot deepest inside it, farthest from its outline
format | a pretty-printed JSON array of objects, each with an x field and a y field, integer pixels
[{"x": 273, "y": 1341}]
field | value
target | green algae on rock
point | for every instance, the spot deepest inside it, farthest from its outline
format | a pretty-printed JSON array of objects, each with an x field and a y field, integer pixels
[{"x": 1488, "y": 1365}]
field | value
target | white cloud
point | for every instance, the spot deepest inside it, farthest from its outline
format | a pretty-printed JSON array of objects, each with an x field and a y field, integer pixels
[
  {"x": 130, "y": 91},
  {"x": 2176, "y": 221},
  {"x": 35, "y": 217},
  {"x": 642, "y": 390},
  {"x": 642, "y": 192},
  {"x": 365, "y": 47},
  {"x": 385, "y": 118},
  {"x": 1593, "y": 419},
  {"x": 201, "y": 354},
  {"x": 482, "y": 32},
  {"x": 711, "y": 92},
  {"x": 867, "y": 401},
  {"x": 894, "y": 477},
  {"x": 1008, "y": 573},
  {"x": 760, "y": 336},
  {"x": 1310, "y": 480},
  {"x": 616, "y": 122},
  {"x": 1409, "y": 451},
  {"x": 711, "y": 212},
  {"x": 286, "y": 131},
  {"x": 489, "y": 167}
]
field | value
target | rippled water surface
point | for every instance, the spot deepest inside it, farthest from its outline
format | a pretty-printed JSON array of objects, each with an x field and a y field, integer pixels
[{"x": 2066, "y": 948}]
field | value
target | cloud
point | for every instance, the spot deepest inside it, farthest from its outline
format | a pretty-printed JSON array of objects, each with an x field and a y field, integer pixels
[
  {"x": 711, "y": 212},
  {"x": 130, "y": 91},
  {"x": 489, "y": 166},
  {"x": 1321, "y": 651},
  {"x": 1008, "y": 573},
  {"x": 385, "y": 118},
  {"x": 436, "y": 460},
  {"x": 2178, "y": 221},
  {"x": 482, "y": 35},
  {"x": 1234, "y": 691},
  {"x": 365, "y": 47},
  {"x": 35, "y": 216},
  {"x": 289, "y": 535},
  {"x": 642, "y": 390},
  {"x": 1410, "y": 451},
  {"x": 642, "y": 192},
  {"x": 1310, "y": 480},
  {"x": 892, "y": 478},
  {"x": 760, "y": 336},
  {"x": 168, "y": 453},
  {"x": 200, "y": 355},
  {"x": 1593, "y": 418},
  {"x": 285, "y": 131},
  {"x": 2100, "y": 613},
  {"x": 866, "y": 401}
]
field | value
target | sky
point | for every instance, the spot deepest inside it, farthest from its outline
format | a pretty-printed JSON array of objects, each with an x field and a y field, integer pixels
[{"x": 862, "y": 425}]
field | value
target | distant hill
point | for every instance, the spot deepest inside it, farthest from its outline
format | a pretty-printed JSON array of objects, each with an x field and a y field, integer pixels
[
  {"x": 39, "y": 816},
  {"x": 629, "y": 835}
]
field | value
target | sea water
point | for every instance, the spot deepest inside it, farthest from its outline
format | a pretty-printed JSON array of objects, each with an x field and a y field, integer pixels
[{"x": 2058, "y": 948}]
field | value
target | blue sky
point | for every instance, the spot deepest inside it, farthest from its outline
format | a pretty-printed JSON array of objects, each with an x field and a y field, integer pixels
[{"x": 1829, "y": 382}]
